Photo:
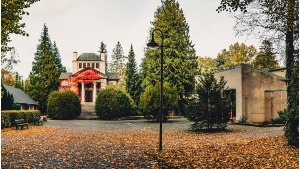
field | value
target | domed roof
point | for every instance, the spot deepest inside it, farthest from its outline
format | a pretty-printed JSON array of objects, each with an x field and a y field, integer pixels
[{"x": 88, "y": 56}]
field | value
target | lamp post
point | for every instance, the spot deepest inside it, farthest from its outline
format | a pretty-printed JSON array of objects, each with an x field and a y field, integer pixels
[{"x": 153, "y": 45}]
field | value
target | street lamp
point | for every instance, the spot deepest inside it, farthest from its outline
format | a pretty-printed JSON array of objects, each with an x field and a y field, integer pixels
[{"x": 153, "y": 45}]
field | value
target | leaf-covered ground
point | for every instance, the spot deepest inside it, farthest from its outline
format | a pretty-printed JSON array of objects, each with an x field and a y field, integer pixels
[{"x": 54, "y": 147}]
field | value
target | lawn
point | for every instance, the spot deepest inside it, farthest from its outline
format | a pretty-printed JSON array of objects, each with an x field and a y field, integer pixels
[{"x": 55, "y": 147}]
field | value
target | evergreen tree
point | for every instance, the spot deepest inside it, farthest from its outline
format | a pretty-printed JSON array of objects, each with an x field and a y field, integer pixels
[
  {"x": 102, "y": 49},
  {"x": 210, "y": 106},
  {"x": 133, "y": 80},
  {"x": 266, "y": 59},
  {"x": 179, "y": 54},
  {"x": 18, "y": 81},
  {"x": 58, "y": 64},
  {"x": 43, "y": 78},
  {"x": 118, "y": 60},
  {"x": 7, "y": 100}
]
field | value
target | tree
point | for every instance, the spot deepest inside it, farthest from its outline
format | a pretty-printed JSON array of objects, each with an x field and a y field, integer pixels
[
  {"x": 118, "y": 60},
  {"x": 266, "y": 58},
  {"x": 287, "y": 12},
  {"x": 237, "y": 53},
  {"x": 58, "y": 64},
  {"x": 206, "y": 65},
  {"x": 210, "y": 107},
  {"x": 12, "y": 12},
  {"x": 7, "y": 64},
  {"x": 133, "y": 79},
  {"x": 179, "y": 53},
  {"x": 7, "y": 99},
  {"x": 102, "y": 49},
  {"x": 150, "y": 101},
  {"x": 43, "y": 78},
  {"x": 18, "y": 81}
]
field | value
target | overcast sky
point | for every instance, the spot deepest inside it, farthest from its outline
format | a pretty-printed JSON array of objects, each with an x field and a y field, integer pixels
[{"x": 80, "y": 25}]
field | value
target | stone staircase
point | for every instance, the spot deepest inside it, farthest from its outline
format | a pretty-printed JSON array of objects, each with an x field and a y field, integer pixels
[{"x": 88, "y": 109}]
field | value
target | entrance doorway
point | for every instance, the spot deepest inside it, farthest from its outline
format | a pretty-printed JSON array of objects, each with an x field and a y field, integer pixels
[{"x": 89, "y": 96}]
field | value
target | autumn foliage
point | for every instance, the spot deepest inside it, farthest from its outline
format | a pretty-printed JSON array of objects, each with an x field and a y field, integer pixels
[{"x": 54, "y": 147}]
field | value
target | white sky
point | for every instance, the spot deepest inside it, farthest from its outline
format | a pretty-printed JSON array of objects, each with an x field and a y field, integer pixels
[{"x": 80, "y": 25}]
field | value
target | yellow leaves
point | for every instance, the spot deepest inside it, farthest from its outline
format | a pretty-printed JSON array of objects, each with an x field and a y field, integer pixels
[{"x": 49, "y": 147}]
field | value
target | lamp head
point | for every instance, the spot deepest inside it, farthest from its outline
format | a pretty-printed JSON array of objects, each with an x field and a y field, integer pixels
[{"x": 152, "y": 44}]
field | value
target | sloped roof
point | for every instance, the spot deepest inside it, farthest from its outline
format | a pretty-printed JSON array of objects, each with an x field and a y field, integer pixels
[
  {"x": 112, "y": 76},
  {"x": 19, "y": 96},
  {"x": 64, "y": 75},
  {"x": 89, "y": 57},
  {"x": 92, "y": 69}
]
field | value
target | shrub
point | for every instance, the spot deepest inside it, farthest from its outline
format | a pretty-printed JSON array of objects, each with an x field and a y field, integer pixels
[
  {"x": 63, "y": 105},
  {"x": 150, "y": 101},
  {"x": 8, "y": 117},
  {"x": 112, "y": 103},
  {"x": 282, "y": 117}
]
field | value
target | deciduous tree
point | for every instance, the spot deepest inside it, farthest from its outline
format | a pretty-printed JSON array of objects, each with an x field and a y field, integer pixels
[{"x": 237, "y": 53}]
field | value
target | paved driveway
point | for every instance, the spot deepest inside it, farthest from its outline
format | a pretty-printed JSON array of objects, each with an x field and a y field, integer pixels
[{"x": 172, "y": 124}]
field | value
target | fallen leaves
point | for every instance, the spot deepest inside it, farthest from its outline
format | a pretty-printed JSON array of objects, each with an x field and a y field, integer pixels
[{"x": 53, "y": 147}]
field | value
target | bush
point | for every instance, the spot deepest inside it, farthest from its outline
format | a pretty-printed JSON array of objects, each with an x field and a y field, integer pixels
[
  {"x": 112, "y": 103},
  {"x": 63, "y": 105},
  {"x": 150, "y": 101},
  {"x": 8, "y": 117},
  {"x": 282, "y": 117}
]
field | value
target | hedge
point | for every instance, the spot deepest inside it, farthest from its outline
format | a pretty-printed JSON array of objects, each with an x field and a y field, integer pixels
[{"x": 8, "y": 117}]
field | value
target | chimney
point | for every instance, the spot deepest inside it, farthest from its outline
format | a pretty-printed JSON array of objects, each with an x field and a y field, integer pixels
[
  {"x": 74, "y": 56},
  {"x": 102, "y": 56}
]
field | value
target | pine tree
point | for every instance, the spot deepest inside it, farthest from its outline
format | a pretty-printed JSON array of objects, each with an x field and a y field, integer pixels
[
  {"x": 43, "y": 78},
  {"x": 266, "y": 57},
  {"x": 58, "y": 64},
  {"x": 102, "y": 49},
  {"x": 18, "y": 81},
  {"x": 179, "y": 53},
  {"x": 118, "y": 60},
  {"x": 211, "y": 106},
  {"x": 133, "y": 80},
  {"x": 7, "y": 100}
]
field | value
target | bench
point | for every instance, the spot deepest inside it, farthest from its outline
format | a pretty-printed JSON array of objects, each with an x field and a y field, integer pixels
[
  {"x": 21, "y": 123},
  {"x": 37, "y": 120}
]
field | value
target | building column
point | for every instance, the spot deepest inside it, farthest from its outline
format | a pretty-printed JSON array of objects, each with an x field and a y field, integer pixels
[
  {"x": 94, "y": 91},
  {"x": 82, "y": 92}
]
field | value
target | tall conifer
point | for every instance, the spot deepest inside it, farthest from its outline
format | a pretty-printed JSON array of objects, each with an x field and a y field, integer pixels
[
  {"x": 58, "y": 63},
  {"x": 179, "y": 53},
  {"x": 133, "y": 80},
  {"x": 118, "y": 60},
  {"x": 43, "y": 78}
]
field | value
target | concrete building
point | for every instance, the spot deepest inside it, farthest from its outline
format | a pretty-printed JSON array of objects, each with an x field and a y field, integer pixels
[{"x": 259, "y": 94}]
